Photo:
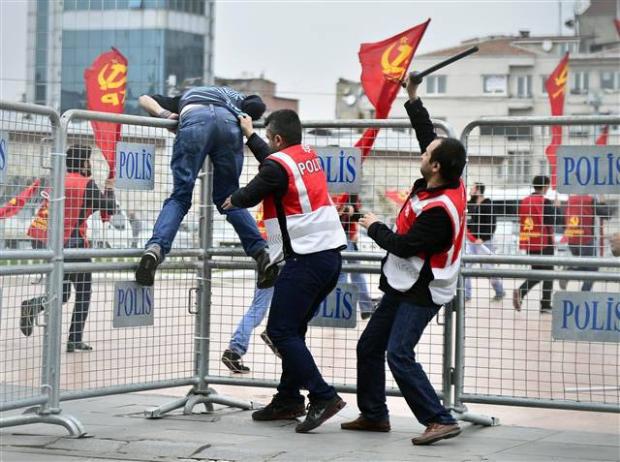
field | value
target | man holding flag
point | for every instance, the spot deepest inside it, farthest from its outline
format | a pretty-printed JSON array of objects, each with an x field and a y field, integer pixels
[{"x": 419, "y": 273}]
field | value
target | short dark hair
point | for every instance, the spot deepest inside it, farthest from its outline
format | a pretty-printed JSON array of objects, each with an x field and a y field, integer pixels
[
  {"x": 253, "y": 106},
  {"x": 285, "y": 123},
  {"x": 76, "y": 155},
  {"x": 450, "y": 154},
  {"x": 480, "y": 187},
  {"x": 540, "y": 181}
]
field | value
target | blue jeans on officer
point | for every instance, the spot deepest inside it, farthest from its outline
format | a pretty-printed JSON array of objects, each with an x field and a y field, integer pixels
[
  {"x": 396, "y": 327},
  {"x": 213, "y": 131},
  {"x": 303, "y": 283}
]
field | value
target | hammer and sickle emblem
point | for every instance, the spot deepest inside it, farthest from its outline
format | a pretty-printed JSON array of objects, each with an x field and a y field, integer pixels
[
  {"x": 573, "y": 221},
  {"x": 114, "y": 79},
  {"x": 560, "y": 82},
  {"x": 528, "y": 224},
  {"x": 394, "y": 67}
]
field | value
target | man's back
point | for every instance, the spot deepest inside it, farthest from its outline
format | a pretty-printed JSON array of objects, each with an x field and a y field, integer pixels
[{"x": 219, "y": 96}]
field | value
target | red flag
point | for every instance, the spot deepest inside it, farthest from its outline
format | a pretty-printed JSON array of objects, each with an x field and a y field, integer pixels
[
  {"x": 602, "y": 140},
  {"x": 384, "y": 64},
  {"x": 105, "y": 81},
  {"x": 617, "y": 23},
  {"x": 556, "y": 89},
  {"x": 17, "y": 203},
  {"x": 398, "y": 197}
]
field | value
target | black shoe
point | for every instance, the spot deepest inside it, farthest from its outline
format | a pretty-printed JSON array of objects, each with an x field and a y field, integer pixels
[
  {"x": 267, "y": 275},
  {"x": 265, "y": 338},
  {"x": 151, "y": 258},
  {"x": 319, "y": 412},
  {"x": 233, "y": 362},
  {"x": 280, "y": 409},
  {"x": 545, "y": 309},
  {"x": 30, "y": 309},
  {"x": 78, "y": 346}
]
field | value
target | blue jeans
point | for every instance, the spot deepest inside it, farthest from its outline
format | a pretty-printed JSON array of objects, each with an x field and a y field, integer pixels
[
  {"x": 396, "y": 327},
  {"x": 301, "y": 286},
  {"x": 213, "y": 131},
  {"x": 365, "y": 302},
  {"x": 251, "y": 319}
]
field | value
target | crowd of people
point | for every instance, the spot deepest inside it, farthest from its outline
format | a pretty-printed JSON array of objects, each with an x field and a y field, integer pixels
[{"x": 298, "y": 249}]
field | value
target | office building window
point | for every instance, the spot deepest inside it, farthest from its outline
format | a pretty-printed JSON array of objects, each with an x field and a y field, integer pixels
[
  {"x": 436, "y": 85},
  {"x": 518, "y": 170},
  {"x": 610, "y": 80},
  {"x": 495, "y": 84},
  {"x": 543, "y": 81},
  {"x": 568, "y": 47},
  {"x": 579, "y": 82},
  {"x": 524, "y": 86}
]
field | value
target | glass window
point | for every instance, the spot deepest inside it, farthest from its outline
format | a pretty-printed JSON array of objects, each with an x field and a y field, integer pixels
[
  {"x": 524, "y": 86},
  {"x": 495, "y": 84},
  {"x": 543, "y": 80},
  {"x": 135, "y": 4},
  {"x": 436, "y": 84},
  {"x": 579, "y": 82},
  {"x": 610, "y": 80}
]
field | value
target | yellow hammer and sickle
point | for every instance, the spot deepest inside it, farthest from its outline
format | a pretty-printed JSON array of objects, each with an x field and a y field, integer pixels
[
  {"x": 574, "y": 221},
  {"x": 112, "y": 80},
  {"x": 528, "y": 224},
  {"x": 560, "y": 82},
  {"x": 393, "y": 68}
]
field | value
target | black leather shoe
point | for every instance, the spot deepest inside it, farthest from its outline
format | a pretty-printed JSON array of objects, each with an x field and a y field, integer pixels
[
  {"x": 280, "y": 409},
  {"x": 30, "y": 309},
  {"x": 267, "y": 275},
  {"x": 233, "y": 362},
  {"x": 319, "y": 412},
  {"x": 78, "y": 346}
]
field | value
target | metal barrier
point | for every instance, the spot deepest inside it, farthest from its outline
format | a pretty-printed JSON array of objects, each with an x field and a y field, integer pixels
[{"x": 508, "y": 357}]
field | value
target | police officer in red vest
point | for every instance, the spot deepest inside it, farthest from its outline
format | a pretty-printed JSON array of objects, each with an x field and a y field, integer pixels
[
  {"x": 418, "y": 275},
  {"x": 537, "y": 219},
  {"x": 580, "y": 213},
  {"x": 304, "y": 232},
  {"x": 82, "y": 198}
]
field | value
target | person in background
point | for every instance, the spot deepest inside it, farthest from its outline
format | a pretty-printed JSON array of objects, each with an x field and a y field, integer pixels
[
  {"x": 348, "y": 206},
  {"x": 538, "y": 217},
  {"x": 481, "y": 224},
  {"x": 82, "y": 198}
]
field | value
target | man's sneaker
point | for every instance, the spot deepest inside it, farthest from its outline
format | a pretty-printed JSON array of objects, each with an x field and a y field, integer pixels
[
  {"x": 30, "y": 309},
  {"x": 545, "y": 309},
  {"x": 365, "y": 425},
  {"x": 151, "y": 258},
  {"x": 270, "y": 344},
  {"x": 435, "y": 432},
  {"x": 78, "y": 346},
  {"x": 267, "y": 275},
  {"x": 319, "y": 411},
  {"x": 499, "y": 297},
  {"x": 516, "y": 300},
  {"x": 280, "y": 409},
  {"x": 233, "y": 362}
]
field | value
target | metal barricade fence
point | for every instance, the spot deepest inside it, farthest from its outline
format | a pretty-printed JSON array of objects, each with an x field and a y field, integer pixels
[
  {"x": 388, "y": 174},
  {"x": 510, "y": 357}
]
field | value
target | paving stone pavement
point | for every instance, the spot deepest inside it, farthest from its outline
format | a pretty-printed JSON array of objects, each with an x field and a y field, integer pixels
[{"x": 117, "y": 431}]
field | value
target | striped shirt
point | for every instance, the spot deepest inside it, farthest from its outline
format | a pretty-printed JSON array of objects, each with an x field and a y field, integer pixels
[{"x": 218, "y": 96}]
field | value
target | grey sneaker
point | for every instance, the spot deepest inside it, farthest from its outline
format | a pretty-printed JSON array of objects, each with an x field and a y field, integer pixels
[{"x": 151, "y": 258}]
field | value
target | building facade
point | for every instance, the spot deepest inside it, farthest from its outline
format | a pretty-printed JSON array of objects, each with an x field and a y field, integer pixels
[{"x": 166, "y": 42}]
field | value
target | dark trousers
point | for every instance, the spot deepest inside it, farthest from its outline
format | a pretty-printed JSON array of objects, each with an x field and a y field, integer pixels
[
  {"x": 586, "y": 250},
  {"x": 545, "y": 301},
  {"x": 82, "y": 282},
  {"x": 301, "y": 286},
  {"x": 396, "y": 327}
]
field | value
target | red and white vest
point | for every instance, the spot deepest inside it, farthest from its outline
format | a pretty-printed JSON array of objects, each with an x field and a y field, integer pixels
[
  {"x": 403, "y": 273},
  {"x": 75, "y": 190},
  {"x": 312, "y": 222},
  {"x": 580, "y": 220},
  {"x": 534, "y": 235}
]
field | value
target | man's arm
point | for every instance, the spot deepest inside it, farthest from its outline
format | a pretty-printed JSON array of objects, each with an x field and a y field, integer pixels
[
  {"x": 431, "y": 233},
  {"x": 160, "y": 106},
  {"x": 257, "y": 145},
  {"x": 96, "y": 200},
  {"x": 271, "y": 179},
  {"x": 419, "y": 117}
]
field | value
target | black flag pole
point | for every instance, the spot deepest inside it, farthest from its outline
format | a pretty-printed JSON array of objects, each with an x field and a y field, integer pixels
[{"x": 416, "y": 77}]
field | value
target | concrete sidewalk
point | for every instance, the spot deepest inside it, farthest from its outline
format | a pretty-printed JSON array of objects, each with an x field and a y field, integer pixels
[{"x": 117, "y": 431}]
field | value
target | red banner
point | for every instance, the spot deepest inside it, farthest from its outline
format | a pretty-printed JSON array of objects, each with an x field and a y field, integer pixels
[
  {"x": 384, "y": 65},
  {"x": 556, "y": 89},
  {"x": 398, "y": 197},
  {"x": 603, "y": 138},
  {"x": 106, "y": 80},
  {"x": 17, "y": 203}
]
